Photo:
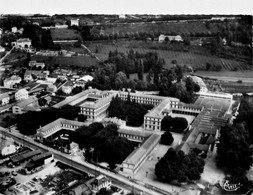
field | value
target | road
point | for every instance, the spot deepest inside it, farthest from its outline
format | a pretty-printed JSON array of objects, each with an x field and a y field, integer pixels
[{"x": 83, "y": 166}]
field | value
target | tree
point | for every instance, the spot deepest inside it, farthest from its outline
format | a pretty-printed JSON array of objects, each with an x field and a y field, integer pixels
[
  {"x": 177, "y": 166},
  {"x": 233, "y": 153},
  {"x": 167, "y": 138},
  {"x": 81, "y": 118},
  {"x": 166, "y": 123},
  {"x": 42, "y": 102},
  {"x": 177, "y": 124}
]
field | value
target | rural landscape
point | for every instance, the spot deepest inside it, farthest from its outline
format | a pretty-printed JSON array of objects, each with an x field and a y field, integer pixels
[{"x": 126, "y": 104}]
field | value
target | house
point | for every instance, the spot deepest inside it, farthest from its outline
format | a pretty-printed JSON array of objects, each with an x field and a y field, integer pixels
[
  {"x": 122, "y": 16},
  {"x": 98, "y": 183},
  {"x": 33, "y": 63},
  {"x": 61, "y": 26},
  {"x": 20, "y": 31},
  {"x": 4, "y": 99},
  {"x": 11, "y": 81},
  {"x": 31, "y": 75},
  {"x": 74, "y": 22},
  {"x": 21, "y": 94},
  {"x": 81, "y": 189},
  {"x": 177, "y": 38},
  {"x": 14, "y": 29},
  {"x": 83, "y": 80},
  {"x": 24, "y": 105},
  {"x": 7, "y": 146},
  {"x": 42, "y": 76},
  {"x": 51, "y": 88},
  {"x": 22, "y": 43}
]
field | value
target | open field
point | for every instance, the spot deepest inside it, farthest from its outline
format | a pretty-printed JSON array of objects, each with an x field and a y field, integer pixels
[
  {"x": 197, "y": 61},
  {"x": 160, "y": 28},
  {"x": 64, "y": 34},
  {"x": 81, "y": 61},
  {"x": 245, "y": 76}
]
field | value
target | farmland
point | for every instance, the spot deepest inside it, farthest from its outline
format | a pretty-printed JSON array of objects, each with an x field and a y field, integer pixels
[
  {"x": 196, "y": 60},
  {"x": 81, "y": 61},
  {"x": 64, "y": 34},
  {"x": 159, "y": 28}
]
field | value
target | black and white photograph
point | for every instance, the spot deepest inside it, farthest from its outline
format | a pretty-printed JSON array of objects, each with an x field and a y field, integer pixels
[{"x": 126, "y": 97}]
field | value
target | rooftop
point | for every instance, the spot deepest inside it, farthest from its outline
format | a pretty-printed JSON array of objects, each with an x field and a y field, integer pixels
[
  {"x": 157, "y": 110},
  {"x": 137, "y": 154},
  {"x": 26, "y": 102},
  {"x": 59, "y": 121}
]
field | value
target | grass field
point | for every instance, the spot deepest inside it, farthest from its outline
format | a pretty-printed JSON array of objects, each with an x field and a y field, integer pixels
[
  {"x": 64, "y": 34},
  {"x": 82, "y": 61},
  {"x": 183, "y": 58}
]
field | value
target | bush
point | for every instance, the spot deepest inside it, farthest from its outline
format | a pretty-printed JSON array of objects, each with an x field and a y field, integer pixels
[
  {"x": 167, "y": 138},
  {"x": 177, "y": 124}
]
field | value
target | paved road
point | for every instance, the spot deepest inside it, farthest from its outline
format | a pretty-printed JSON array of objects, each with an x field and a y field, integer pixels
[{"x": 83, "y": 166}]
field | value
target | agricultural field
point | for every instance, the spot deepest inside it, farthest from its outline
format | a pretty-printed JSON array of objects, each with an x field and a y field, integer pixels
[
  {"x": 197, "y": 61},
  {"x": 64, "y": 34},
  {"x": 159, "y": 28},
  {"x": 244, "y": 76},
  {"x": 81, "y": 61}
]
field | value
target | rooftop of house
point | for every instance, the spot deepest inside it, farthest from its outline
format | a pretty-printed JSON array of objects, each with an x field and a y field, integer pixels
[
  {"x": 137, "y": 154},
  {"x": 81, "y": 189},
  {"x": 26, "y": 102},
  {"x": 23, "y": 40},
  {"x": 99, "y": 180},
  {"x": 13, "y": 77},
  {"x": 23, "y": 90},
  {"x": 6, "y": 142},
  {"x": 4, "y": 95}
]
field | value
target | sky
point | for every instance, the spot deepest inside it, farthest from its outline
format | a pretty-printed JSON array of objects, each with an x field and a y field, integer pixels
[{"x": 126, "y": 7}]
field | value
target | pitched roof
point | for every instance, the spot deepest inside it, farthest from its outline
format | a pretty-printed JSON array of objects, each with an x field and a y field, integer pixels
[
  {"x": 137, "y": 154},
  {"x": 26, "y": 102}
]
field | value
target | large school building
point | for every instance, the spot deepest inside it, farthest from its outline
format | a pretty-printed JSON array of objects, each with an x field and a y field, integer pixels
[{"x": 212, "y": 110}]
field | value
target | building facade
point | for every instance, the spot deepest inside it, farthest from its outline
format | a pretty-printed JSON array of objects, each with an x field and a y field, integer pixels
[{"x": 21, "y": 94}]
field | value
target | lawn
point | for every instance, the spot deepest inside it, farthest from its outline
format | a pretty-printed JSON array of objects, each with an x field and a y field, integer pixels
[
  {"x": 64, "y": 34},
  {"x": 81, "y": 61},
  {"x": 196, "y": 59}
]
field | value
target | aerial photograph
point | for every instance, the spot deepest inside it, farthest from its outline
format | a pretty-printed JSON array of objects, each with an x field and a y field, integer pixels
[{"x": 126, "y": 97}]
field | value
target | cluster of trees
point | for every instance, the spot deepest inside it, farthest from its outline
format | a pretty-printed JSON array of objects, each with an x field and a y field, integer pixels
[
  {"x": 213, "y": 67},
  {"x": 108, "y": 146},
  {"x": 246, "y": 115},
  {"x": 130, "y": 111},
  {"x": 234, "y": 155},
  {"x": 179, "y": 167},
  {"x": 172, "y": 85},
  {"x": 106, "y": 77},
  {"x": 29, "y": 122},
  {"x": 177, "y": 124}
]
